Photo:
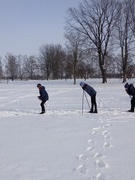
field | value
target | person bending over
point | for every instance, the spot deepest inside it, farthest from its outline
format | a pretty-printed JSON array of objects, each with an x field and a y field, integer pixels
[
  {"x": 92, "y": 93},
  {"x": 130, "y": 90}
]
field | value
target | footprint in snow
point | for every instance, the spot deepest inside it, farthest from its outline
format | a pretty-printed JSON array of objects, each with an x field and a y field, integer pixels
[
  {"x": 104, "y": 132},
  {"x": 89, "y": 149},
  {"x": 97, "y": 155},
  {"x": 96, "y": 130},
  {"x": 107, "y": 145},
  {"x": 100, "y": 163},
  {"x": 107, "y": 125},
  {"x": 94, "y": 133},
  {"x": 107, "y": 137},
  {"x": 90, "y": 141},
  {"x": 81, "y": 169},
  {"x": 100, "y": 177},
  {"x": 82, "y": 157}
]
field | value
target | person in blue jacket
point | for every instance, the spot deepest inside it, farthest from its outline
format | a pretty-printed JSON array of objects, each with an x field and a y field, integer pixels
[
  {"x": 43, "y": 97},
  {"x": 130, "y": 89},
  {"x": 92, "y": 93}
]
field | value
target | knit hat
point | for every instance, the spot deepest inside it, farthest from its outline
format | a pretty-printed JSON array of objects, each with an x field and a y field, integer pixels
[
  {"x": 126, "y": 86},
  {"x": 38, "y": 85},
  {"x": 82, "y": 84}
]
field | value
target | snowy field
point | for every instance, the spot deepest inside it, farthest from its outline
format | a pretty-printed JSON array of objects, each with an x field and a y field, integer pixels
[{"x": 64, "y": 143}]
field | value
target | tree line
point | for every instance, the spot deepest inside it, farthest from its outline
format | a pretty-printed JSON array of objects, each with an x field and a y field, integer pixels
[{"x": 100, "y": 43}]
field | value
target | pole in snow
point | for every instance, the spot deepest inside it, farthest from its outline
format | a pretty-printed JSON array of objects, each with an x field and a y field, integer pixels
[
  {"x": 87, "y": 100},
  {"x": 84, "y": 94},
  {"x": 82, "y": 100}
]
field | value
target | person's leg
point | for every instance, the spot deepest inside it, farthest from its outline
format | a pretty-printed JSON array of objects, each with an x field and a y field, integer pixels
[
  {"x": 94, "y": 103},
  {"x": 91, "y": 110},
  {"x": 42, "y": 107},
  {"x": 134, "y": 101},
  {"x": 132, "y": 104}
]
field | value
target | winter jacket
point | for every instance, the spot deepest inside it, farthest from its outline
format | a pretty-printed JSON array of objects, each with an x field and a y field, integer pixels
[
  {"x": 130, "y": 89},
  {"x": 90, "y": 90},
  {"x": 43, "y": 94}
]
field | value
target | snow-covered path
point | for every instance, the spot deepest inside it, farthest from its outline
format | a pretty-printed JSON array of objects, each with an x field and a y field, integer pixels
[{"x": 65, "y": 144}]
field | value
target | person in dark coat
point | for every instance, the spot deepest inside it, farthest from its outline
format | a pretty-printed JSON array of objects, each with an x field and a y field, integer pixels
[
  {"x": 43, "y": 97},
  {"x": 129, "y": 88},
  {"x": 92, "y": 93}
]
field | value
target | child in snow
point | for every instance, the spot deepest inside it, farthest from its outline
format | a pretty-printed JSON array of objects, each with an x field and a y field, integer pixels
[
  {"x": 92, "y": 93},
  {"x": 129, "y": 88},
  {"x": 43, "y": 97}
]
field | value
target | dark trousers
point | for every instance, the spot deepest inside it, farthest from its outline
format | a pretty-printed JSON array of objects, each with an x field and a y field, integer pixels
[
  {"x": 132, "y": 103},
  {"x": 93, "y": 103},
  {"x": 42, "y": 106}
]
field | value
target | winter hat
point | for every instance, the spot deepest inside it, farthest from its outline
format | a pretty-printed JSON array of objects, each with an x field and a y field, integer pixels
[
  {"x": 82, "y": 84},
  {"x": 126, "y": 86},
  {"x": 38, "y": 85}
]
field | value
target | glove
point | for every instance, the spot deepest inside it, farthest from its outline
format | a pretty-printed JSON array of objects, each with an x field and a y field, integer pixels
[{"x": 39, "y": 98}]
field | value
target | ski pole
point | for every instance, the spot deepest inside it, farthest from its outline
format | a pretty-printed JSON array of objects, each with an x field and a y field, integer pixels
[
  {"x": 82, "y": 100},
  {"x": 87, "y": 100}
]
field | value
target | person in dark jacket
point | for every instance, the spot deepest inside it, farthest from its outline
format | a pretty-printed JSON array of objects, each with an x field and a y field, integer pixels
[
  {"x": 129, "y": 88},
  {"x": 43, "y": 97},
  {"x": 92, "y": 93}
]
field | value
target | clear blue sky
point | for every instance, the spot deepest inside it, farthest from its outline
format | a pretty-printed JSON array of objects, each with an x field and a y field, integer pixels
[{"x": 27, "y": 24}]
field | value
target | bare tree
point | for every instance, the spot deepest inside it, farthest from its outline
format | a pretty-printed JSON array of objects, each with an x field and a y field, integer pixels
[
  {"x": 74, "y": 45},
  {"x": 1, "y": 69},
  {"x": 68, "y": 66},
  {"x": 11, "y": 66},
  {"x": 21, "y": 61},
  {"x": 30, "y": 67},
  {"x": 124, "y": 36},
  {"x": 51, "y": 61},
  {"x": 95, "y": 21},
  {"x": 44, "y": 61},
  {"x": 57, "y": 61},
  {"x": 131, "y": 4}
]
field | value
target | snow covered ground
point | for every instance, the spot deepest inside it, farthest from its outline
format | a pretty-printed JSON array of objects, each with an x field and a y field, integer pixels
[{"x": 65, "y": 144}]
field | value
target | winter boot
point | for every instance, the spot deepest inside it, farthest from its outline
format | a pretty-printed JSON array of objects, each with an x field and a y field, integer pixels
[
  {"x": 130, "y": 110},
  {"x": 91, "y": 111},
  {"x": 42, "y": 112}
]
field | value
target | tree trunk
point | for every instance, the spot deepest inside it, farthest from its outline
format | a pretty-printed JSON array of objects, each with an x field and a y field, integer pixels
[
  {"x": 102, "y": 67},
  {"x": 74, "y": 73},
  {"x": 104, "y": 78}
]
